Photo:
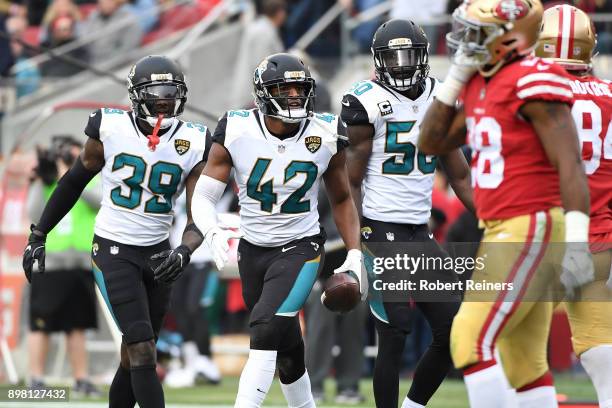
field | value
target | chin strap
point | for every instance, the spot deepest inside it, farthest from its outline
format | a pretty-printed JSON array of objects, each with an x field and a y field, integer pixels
[{"x": 153, "y": 138}]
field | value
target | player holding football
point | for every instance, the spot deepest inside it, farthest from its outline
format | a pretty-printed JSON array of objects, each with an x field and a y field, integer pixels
[
  {"x": 147, "y": 156},
  {"x": 526, "y": 163},
  {"x": 568, "y": 38},
  {"x": 279, "y": 152},
  {"x": 383, "y": 118}
]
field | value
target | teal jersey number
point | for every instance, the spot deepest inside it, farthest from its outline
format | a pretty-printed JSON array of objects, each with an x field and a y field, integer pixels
[
  {"x": 264, "y": 193},
  {"x": 133, "y": 198},
  {"x": 167, "y": 190},
  {"x": 406, "y": 150},
  {"x": 156, "y": 186},
  {"x": 360, "y": 88},
  {"x": 294, "y": 203}
]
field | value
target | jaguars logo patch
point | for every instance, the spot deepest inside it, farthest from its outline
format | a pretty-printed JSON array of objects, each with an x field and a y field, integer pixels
[
  {"x": 366, "y": 232},
  {"x": 181, "y": 146},
  {"x": 313, "y": 143}
]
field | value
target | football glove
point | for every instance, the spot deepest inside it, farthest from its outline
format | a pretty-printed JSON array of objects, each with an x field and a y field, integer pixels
[
  {"x": 354, "y": 263},
  {"x": 174, "y": 262},
  {"x": 577, "y": 265},
  {"x": 216, "y": 240},
  {"x": 34, "y": 251}
]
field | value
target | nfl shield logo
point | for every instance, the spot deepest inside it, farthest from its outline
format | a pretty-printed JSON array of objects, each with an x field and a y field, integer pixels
[
  {"x": 313, "y": 143},
  {"x": 390, "y": 236},
  {"x": 181, "y": 146},
  {"x": 281, "y": 148},
  {"x": 114, "y": 250}
]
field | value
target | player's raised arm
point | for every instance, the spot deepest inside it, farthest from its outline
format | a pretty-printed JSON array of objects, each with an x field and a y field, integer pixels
[
  {"x": 443, "y": 128},
  {"x": 67, "y": 193},
  {"x": 208, "y": 190},
  {"x": 458, "y": 175}
]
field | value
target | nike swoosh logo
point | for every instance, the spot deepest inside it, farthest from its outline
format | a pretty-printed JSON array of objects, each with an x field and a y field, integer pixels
[
  {"x": 346, "y": 103},
  {"x": 430, "y": 235},
  {"x": 542, "y": 67},
  {"x": 263, "y": 392},
  {"x": 92, "y": 114},
  {"x": 287, "y": 249}
]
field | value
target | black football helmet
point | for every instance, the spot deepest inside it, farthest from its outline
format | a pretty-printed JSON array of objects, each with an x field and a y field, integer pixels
[
  {"x": 401, "y": 54},
  {"x": 284, "y": 88},
  {"x": 156, "y": 85}
]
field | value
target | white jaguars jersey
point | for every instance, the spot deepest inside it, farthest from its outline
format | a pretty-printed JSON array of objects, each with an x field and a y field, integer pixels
[
  {"x": 140, "y": 186},
  {"x": 399, "y": 179},
  {"x": 278, "y": 180}
]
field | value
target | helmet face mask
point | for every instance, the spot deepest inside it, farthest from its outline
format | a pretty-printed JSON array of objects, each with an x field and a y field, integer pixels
[
  {"x": 469, "y": 41},
  {"x": 284, "y": 89},
  {"x": 401, "y": 57},
  {"x": 489, "y": 33},
  {"x": 156, "y": 87}
]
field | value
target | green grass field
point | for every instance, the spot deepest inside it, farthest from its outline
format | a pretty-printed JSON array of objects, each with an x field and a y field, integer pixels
[{"x": 451, "y": 395}]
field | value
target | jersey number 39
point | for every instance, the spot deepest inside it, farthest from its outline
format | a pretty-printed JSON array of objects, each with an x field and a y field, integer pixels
[{"x": 163, "y": 181}]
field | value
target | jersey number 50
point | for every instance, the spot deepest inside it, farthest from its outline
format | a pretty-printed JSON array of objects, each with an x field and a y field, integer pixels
[
  {"x": 402, "y": 162},
  {"x": 163, "y": 182}
]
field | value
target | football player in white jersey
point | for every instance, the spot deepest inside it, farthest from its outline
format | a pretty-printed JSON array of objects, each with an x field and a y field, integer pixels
[
  {"x": 392, "y": 184},
  {"x": 147, "y": 156},
  {"x": 279, "y": 152}
]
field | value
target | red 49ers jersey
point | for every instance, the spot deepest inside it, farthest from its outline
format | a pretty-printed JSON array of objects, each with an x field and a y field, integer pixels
[
  {"x": 592, "y": 111},
  {"x": 511, "y": 174}
]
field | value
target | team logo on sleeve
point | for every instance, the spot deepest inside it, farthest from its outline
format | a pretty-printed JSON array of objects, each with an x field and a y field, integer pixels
[
  {"x": 181, "y": 146},
  {"x": 313, "y": 143}
]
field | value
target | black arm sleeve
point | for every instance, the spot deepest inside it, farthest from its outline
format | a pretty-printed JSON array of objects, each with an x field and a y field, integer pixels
[
  {"x": 343, "y": 140},
  {"x": 93, "y": 125},
  {"x": 219, "y": 135},
  {"x": 353, "y": 112},
  {"x": 66, "y": 194},
  {"x": 209, "y": 142}
]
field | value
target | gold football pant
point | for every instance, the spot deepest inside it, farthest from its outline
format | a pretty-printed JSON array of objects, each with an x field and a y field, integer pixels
[
  {"x": 514, "y": 252},
  {"x": 591, "y": 317}
]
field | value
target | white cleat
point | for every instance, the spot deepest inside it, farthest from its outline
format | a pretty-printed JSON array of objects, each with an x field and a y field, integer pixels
[{"x": 206, "y": 368}]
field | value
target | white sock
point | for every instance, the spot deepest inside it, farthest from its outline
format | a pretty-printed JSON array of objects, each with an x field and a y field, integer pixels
[
  {"x": 408, "y": 403},
  {"x": 190, "y": 353},
  {"x": 487, "y": 388},
  {"x": 256, "y": 378},
  {"x": 539, "y": 397},
  {"x": 598, "y": 364},
  {"x": 298, "y": 394}
]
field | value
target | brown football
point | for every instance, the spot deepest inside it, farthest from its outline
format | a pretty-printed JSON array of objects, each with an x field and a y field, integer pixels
[{"x": 341, "y": 292}]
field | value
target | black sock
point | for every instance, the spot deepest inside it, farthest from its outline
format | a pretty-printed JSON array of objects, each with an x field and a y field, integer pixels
[
  {"x": 120, "y": 394},
  {"x": 435, "y": 364},
  {"x": 147, "y": 388},
  {"x": 386, "y": 370}
]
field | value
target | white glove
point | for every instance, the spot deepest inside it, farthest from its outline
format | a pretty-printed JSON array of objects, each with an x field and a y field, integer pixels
[
  {"x": 354, "y": 263},
  {"x": 457, "y": 77},
  {"x": 577, "y": 265},
  {"x": 216, "y": 240}
]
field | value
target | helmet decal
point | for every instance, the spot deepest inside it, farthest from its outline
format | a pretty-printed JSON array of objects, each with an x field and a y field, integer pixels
[{"x": 511, "y": 10}]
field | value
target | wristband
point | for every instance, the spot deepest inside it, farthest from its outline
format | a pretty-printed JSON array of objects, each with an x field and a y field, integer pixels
[{"x": 576, "y": 226}]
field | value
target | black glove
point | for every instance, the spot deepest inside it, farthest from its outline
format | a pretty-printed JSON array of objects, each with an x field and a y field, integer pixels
[
  {"x": 175, "y": 261},
  {"x": 34, "y": 251}
]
